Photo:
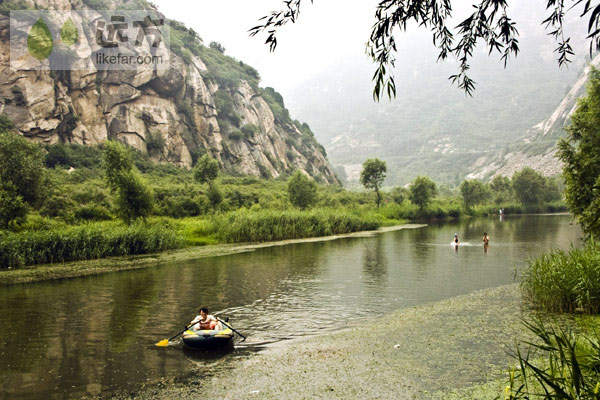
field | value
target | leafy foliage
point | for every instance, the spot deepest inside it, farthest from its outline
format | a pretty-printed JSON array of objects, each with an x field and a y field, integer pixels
[
  {"x": 12, "y": 206},
  {"x": 501, "y": 189},
  {"x": 399, "y": 194},
  {"x": 206, "y": 169},
  {"x": 214, "y": 194},
  {"x": 21, "y": 166},
  {"x": 155, "y": 142},
  {"x": 422, "y": 190},
  {"x": 302, "y": 190},
  {"x": 473, "y": 193},
  {"x": 134, "y": 197},
  {"x": 529, "y": 187},
  {"x": 372, "y": 176},
  {"x": 579, "y": 153}
]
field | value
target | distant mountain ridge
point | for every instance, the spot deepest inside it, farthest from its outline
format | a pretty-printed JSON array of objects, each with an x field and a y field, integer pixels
[
  {"x": 206, "y": 102},
  {"x": 432, "y": 128},
  {"x": 539, "y": 151}
]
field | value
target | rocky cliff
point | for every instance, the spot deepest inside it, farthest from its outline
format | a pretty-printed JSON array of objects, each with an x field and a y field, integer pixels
[{"x": 204, "y": 102}]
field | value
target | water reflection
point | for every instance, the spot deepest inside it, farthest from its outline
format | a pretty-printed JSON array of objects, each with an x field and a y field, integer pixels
[{"x": 97, "y": 334}]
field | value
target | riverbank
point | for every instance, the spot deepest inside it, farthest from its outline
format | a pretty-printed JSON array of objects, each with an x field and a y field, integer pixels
[
  {"x": 114, "y": 264},
  {"x": 453, "y": 349}
]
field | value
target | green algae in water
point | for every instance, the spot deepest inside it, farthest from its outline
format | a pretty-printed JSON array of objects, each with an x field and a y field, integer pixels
[
  {"x": 39, "y": 40},
  {"x": 68, "y": 33}
]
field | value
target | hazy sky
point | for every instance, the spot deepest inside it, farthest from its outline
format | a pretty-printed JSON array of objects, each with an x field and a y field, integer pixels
[{"x": 326, "y": 32}]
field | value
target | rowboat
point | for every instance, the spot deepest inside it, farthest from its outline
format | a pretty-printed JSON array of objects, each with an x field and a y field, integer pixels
[{"x": 208, "y": 339}]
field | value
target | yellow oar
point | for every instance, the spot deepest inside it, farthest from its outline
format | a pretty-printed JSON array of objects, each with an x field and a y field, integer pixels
[{"x": 165, "y": 342}]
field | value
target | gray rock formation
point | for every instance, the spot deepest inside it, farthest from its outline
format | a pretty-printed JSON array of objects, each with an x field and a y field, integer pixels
[{"x": 90, "y": 106}]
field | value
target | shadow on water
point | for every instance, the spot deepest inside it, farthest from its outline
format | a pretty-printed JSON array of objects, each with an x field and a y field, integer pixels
[{"x": 95, "y": 335}]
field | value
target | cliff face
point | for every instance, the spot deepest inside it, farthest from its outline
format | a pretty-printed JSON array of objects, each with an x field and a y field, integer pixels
[{"x": 184, "y": 109}]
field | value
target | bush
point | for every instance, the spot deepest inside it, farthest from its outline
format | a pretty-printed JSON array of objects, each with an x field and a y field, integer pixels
[
  {"x": 72, "y": 155},
  {"x": 565, "y": 282},
  {"x": 92, "y": 213},
  {"x": 302, "y": 190},
  {"x": 155, "y": 142}
]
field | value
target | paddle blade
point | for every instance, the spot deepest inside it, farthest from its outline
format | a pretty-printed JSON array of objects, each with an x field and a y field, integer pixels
[{"x": 163, "y": 343}]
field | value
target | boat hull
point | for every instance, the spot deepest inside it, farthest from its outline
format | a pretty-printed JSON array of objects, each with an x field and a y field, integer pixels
[{"x": 208, "y": 340}]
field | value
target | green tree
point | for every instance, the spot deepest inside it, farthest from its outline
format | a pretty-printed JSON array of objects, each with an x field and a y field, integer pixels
[
  {"x": 117, "y": 162},
  {"x": 12, "y": 206},
  {"x": 135, "y": 198},
  {"x": 399, "y": 194},
  {"x": 552, "y": 190},
  {"x": 529, "y": 187},
  {"x": 501, "y": 189},
  {"x": 473, "y": 192},
  {"x": 490, "y": 23},
  {"x": 302, "y": 190},
  {"x": 579, "y": 153},
  {"x": 214, "y": 195},
  {"x": 206, "y": 169},
  {"x": 372, "y": 176},
  {"x": 421, "y": 191},
  {"x": 21, "y": 165}
]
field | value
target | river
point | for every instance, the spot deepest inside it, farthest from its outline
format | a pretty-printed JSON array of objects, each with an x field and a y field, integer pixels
[{"x": 95, "y": 335}]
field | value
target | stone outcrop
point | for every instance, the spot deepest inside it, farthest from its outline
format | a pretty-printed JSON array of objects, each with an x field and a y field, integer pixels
[{"x": 89, "y": 107}]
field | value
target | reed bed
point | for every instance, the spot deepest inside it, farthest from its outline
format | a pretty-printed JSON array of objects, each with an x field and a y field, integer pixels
[
  {"x": 565, "y": 282},
  {"x": 264, "y": 226},
  {"x": 84, "y": 243}
]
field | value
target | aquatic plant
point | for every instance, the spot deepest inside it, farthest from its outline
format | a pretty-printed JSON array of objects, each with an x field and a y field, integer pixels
[
  {"x": 560, "y": 364},
  {"x": 250, "y": 226},
  {"x": 83, "y": 243},
  {"x": 565, "y": 282}
]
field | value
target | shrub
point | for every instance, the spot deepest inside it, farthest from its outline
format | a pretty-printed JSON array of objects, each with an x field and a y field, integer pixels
[
  {"x": 12, "y": 206},
  {"x": 21, "y": 165},
  {"x": 302, "y": 190},
  {"x": 249, "y": 130},
  {"x": 92, "y": 212},
  {"x": 155, "y": 142}
]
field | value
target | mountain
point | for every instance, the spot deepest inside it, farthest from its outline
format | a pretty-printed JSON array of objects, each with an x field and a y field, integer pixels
[
  {"x": 204, "y": 102},
  {"x": 538, "y": 150},
  {"x": 432, "y": 128}
]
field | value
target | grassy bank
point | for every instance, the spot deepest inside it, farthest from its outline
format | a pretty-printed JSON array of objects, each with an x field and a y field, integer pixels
[
  {"x": 60, "y": 243},
  {"x": 84, "y": 243}
]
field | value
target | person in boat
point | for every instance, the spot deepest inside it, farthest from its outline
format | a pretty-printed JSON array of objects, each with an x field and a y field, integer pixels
[
  {"x": 205, "y": 321},
  {"x": 486, "y": 238},
  {"x": 455, "y": 238}
]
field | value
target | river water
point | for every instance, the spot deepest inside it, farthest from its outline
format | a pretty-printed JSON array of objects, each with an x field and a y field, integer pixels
[{"x": 95, "y": 335}]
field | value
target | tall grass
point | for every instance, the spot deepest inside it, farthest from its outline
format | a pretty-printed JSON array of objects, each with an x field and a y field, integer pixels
[
  {"x": 565, "y": 282},
  {"x": 84, "y": 243},
  {"x": 560, "y": 364},
  {"x": 249, "y": 226}
]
